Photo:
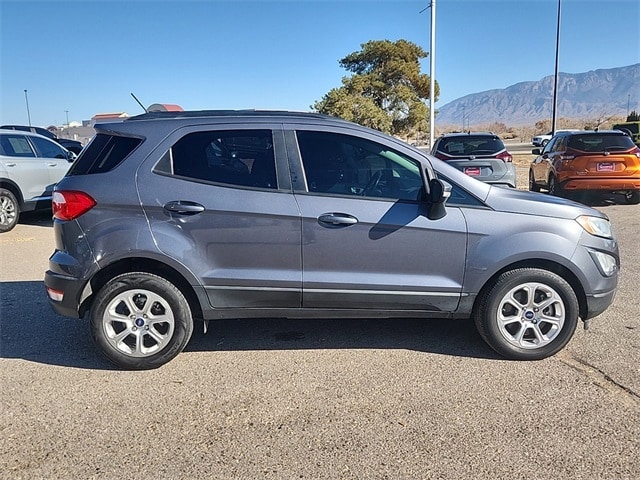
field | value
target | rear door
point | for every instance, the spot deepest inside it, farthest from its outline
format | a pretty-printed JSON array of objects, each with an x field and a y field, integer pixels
[
  {"x": 219, "y": 201},
  {"x": 366, "y": 242},
  {"x": 24, "y": 167}
]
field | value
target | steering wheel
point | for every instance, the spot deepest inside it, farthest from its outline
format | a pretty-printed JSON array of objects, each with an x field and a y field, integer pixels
[{"x": 373, "y": 183}]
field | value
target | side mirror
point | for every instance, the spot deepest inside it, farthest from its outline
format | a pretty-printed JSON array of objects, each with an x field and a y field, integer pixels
[
  {"x": 536, "y": 151},
  {"x": 439, "y": 193}
]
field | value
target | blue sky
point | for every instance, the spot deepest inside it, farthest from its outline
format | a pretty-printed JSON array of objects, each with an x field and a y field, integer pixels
[{"x": 87, "y": 56}]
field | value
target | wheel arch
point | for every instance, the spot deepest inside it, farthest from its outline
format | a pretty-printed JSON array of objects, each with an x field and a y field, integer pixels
[
  {"x": 542, "y": 264},
  {"x": 146, "y": 265},
  {"x": 13, "y": 188}
]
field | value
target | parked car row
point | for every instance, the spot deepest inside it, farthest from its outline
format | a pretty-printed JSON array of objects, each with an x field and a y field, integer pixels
[
  {"x": 30, "y": 166},
  {"x": 172, "y": 217},
  {"x": 71, "y": 145}
]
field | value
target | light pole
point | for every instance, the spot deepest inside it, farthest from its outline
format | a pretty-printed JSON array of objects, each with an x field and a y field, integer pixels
[
  {"x": 67, "y": 113},
  {"x": 432, "y": 71},
  {"x": 555, "y": 85},
  {"x": 26, "y": 99}
]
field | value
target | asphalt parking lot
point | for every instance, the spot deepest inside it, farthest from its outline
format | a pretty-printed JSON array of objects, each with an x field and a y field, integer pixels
[{"x": 284, "y": 399}]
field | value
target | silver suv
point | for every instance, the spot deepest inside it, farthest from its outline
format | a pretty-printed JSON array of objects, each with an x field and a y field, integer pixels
[
  {"x": 172, "y": 217},
  {"x": 30, "y": 165}
]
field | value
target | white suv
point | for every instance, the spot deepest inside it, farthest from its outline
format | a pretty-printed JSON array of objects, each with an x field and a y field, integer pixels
[
  {"x": 542, "y": 139},
  {"x": 30, "y": 166}
]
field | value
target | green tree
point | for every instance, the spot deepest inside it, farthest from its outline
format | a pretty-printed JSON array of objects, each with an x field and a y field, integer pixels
[
  {"x": 386, "y": 91},
  {"x": 633, "y": 117}
]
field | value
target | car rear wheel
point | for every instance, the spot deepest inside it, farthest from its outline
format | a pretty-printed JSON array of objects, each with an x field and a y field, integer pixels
[
  {"x": 533, "y": 186},
  {"x": 544, "y": 142},
  {"x": 527, "y": 314},
  {"x": 9, "y": 210},
  {"x": 632, "y": 197},
  {"x": 554, "y": 188},
  {"x": 140, "y": 321}
]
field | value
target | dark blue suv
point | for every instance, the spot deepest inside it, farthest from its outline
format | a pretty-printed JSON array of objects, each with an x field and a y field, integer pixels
[{"x": 174, "y": 217}]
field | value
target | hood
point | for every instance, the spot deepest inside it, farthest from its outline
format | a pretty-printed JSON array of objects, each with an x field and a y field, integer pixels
[{"x": 538, "y": 204}]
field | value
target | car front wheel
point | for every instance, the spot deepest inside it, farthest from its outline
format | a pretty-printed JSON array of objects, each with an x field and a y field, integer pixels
[
  {"x": 140, "y": 321},
  {"x": 527, "y": 314},
  {"x": 9, "y": 210}
]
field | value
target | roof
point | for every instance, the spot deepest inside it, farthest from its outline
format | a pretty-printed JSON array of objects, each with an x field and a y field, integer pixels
[{"x": 229, "y": 113}]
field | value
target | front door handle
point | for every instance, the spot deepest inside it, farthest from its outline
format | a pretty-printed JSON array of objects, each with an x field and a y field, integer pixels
[
  {"x": 183, "y": 207},
  {"x": 337, "y": 219}
]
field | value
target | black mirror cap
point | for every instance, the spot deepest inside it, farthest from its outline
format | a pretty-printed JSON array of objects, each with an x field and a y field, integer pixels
[{"x": 439, "y": 193}]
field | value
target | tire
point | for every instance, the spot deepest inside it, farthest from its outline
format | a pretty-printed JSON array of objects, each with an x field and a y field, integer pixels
[
  {"x": 9, "y": 210},
  {"x": 527, "y": 314},
  {"x": 632, "y": 197},
  {"x": 140, "y": 321},
  {"x": 533, "y": 186},
  {"x": 544, "y": 142},
  {"x": 554, "y": 188}
]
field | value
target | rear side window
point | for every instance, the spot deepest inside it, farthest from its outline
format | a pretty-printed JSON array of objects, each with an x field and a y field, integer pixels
[
  {"x": 600, "y": 143},
  {"x": 233, "y": 157},
  {"x": 103, "y": 154},
  {"x": 16, "y": 146}
]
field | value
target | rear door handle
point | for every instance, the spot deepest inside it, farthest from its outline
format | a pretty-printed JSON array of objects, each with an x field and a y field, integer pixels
[
  {"x": 337, "y": 219},
  {"x": 183, "y": 207}
]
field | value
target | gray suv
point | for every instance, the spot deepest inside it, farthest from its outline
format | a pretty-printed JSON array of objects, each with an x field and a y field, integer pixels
[{"x": 172, "y": 217}]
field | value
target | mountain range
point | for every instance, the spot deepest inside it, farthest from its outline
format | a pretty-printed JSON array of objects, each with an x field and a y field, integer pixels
[{"x": 593, "y": 94}]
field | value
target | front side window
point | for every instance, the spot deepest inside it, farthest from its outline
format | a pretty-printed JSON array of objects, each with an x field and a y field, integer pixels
[
  {"x": 233, "y": 157},
  {"x": 47, "y": 148},
  {"x": 346, "y": 165}
]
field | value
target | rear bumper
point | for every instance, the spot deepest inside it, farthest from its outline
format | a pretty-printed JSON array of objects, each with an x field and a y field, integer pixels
[
  {"x": 602, "y": 184},
  {"x": 70, "y": 290}
]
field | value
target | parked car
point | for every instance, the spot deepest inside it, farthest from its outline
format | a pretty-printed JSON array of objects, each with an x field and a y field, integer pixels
[
  {"x": 71, "y": 145},
  {"x": 542, "y": 139},
  {"x": 171, "y": 217},
  {"x": 605, "y": 161},
  {"x": 30, "y": 165},
  {"x": 631, "y": 128},
  {"x": 480, "y": 155}
]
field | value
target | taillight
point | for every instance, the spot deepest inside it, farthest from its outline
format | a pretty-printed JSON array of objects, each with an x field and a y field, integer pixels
[
  {"x": 636, "y": 152},
  {"x": 70, "y": 204},
  {"x": 505, "y": 156}
]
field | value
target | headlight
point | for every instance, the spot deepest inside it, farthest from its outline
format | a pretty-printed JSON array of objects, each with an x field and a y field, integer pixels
[{"x": 600, "y": 227}]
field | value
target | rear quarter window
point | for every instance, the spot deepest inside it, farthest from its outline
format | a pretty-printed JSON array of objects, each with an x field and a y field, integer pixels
[{"x": 103, "y": 154}]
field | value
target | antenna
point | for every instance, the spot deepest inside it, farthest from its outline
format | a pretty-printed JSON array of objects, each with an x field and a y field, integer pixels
[{"x": 139, "y": 103}]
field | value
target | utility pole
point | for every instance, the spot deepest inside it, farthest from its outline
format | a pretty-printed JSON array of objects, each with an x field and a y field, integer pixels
[
  {"x": 26, "y": 99},
  {"x": 67, "y": 113},
  {"x": 555, "y": 85}
]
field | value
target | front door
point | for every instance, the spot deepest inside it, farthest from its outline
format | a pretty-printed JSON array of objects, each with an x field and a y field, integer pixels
[{"x": 366, "y": 242}]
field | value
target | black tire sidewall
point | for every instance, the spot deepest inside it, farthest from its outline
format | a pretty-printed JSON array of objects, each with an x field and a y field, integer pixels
[
  {"x": 183, "y": 322},
  {"x": 8, "y": 194},
  {"x": 485, "y": 313}
]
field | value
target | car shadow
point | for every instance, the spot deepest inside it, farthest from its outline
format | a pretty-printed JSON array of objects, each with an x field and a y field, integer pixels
[{"x": 30, "y": 330}]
